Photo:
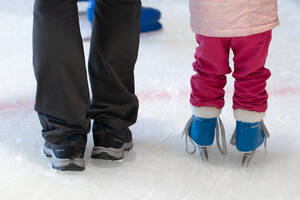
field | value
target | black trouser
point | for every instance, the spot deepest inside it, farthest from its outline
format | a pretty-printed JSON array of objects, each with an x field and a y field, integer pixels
[{"x": 62, "y": 98}]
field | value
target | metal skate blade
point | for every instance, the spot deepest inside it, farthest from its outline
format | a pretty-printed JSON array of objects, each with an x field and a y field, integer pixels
[
  {"x": 203, "y": 153},
  {"x": 247, "y": 158}
]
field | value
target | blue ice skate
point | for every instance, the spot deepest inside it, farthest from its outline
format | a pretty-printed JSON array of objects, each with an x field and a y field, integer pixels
[
  {"x": 201, "y": 132},
  {"x": 248, "y": 137}
]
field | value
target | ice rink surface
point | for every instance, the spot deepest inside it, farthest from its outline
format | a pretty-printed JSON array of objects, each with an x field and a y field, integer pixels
[{"x": 158, "y": 166}]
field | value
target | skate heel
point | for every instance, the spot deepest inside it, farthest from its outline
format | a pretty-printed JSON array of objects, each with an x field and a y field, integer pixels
[
  {"x": 247, "y": 137},
  {"x": 200, "y": 132}
]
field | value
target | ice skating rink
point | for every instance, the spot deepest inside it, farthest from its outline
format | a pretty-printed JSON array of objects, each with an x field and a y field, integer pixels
[{"x": 158, "y": 166}]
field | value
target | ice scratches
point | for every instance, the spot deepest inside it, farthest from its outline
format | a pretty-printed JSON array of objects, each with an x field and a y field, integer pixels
[{"x": 292, "y": 120}]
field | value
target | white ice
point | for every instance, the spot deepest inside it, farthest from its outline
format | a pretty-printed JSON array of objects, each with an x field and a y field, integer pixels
[{"x": 158, "y": 166}]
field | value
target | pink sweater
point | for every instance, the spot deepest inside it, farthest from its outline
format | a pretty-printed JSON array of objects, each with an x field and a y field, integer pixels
[{"x": 233, "y": 18}]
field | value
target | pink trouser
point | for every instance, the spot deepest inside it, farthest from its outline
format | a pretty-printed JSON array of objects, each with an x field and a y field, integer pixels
[{"x": 212, "y": 64}]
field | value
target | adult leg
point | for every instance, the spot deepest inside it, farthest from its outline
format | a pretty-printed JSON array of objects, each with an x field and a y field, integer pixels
[
  {"x": 113, "y": 53},
  {"x": 114, "y": 48},
  {"x": 62, "y": 97}
]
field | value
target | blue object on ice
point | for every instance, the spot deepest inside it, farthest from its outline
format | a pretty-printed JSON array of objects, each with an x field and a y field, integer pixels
[
  {"x": 149, "y": 17},
  {"x": 90, "y": 10},
  {"x": 249, "y": 136},
  {"x": 202, "y": 131}
]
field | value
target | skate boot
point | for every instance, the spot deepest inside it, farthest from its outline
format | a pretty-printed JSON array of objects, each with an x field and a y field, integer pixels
[
  {"x": 67, "y": 154},
  {"x": 248, "y": 137},
  {"x": 111, "y": 144},
  {"x": 201, "y": 133}
]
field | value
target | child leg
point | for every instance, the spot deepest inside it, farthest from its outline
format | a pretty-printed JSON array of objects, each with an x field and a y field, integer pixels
[
  {"x": 211, "y": 66},
  {"x": 207, "y": 96},
  {"x": 250, "y": 96}
]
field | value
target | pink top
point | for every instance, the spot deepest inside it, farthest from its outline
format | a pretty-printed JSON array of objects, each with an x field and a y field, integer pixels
[{"x": 233, "y": 18}]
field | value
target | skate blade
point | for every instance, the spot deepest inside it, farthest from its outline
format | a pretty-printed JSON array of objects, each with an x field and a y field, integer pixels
[
  {"x": 203, "y": 153},
  {"x": 247, "y": 158}
]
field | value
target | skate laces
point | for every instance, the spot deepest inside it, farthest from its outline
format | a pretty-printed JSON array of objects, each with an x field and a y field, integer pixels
[
  {"x": 266, "y": 133},
  {"x": 185, "y": 134},
  {"x": 220, "y": 130}
]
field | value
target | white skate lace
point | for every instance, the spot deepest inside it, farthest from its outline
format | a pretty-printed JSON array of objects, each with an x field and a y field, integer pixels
[
  {"x": 266, "y": 132},
  {"x": 219, "y": 129}
]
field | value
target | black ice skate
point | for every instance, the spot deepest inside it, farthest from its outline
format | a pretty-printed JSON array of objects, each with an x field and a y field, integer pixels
[
  {"x": 111, "y": 144},
  {"x": 67, "y": 154}
]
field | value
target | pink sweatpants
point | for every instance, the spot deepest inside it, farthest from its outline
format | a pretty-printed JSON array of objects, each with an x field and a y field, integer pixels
[{"x": 212, "y": 64}]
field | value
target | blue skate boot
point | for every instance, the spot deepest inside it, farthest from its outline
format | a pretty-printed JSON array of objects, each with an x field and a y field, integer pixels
[
  {"x": 201, "y": 132},
  {"x": 248, "y": 137}
]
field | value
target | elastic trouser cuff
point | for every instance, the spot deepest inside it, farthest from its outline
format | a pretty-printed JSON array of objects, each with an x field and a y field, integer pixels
[
  {"x": 206, "y": 112},
  {"x": 248, "y": 116}
]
